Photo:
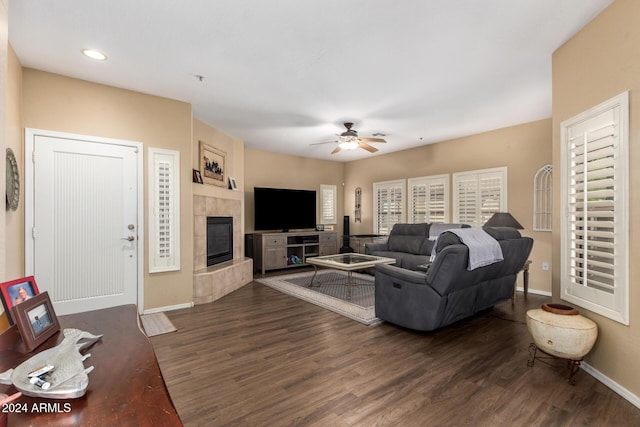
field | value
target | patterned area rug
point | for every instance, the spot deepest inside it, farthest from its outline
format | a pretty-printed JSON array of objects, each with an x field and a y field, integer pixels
[
  {"x": 157, "y": 324},
  {"x": 330, "y": 291}
]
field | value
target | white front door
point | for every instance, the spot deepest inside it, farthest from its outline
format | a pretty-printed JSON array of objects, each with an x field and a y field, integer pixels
[{"x": 83, "y": 220}]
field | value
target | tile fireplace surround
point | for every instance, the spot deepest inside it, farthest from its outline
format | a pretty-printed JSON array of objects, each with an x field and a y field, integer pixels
[{"x": 214, "y": 282}]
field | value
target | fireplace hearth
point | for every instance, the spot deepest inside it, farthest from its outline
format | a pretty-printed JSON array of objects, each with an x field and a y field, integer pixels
[{"x": 219, "y": 239}]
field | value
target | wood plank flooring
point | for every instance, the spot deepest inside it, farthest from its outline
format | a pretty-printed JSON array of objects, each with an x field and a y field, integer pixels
[{"x": 258, "y": 357}]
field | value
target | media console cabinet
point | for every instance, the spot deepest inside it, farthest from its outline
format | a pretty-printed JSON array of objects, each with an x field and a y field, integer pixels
[{"x": 274, "y": 251}]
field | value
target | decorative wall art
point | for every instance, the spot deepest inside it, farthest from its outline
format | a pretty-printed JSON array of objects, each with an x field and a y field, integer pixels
[
  {"x": 213, "y": 165},
  {"x": 358, "y": 206}
]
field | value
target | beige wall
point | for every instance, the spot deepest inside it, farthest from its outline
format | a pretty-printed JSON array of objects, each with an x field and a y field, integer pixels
[
  {"x": 4, "y": 83},
  {"x": 523, "y": 149},
  {"x": 600, "y": 62},
  {"x": 64, "y": 104},
  {"x": 15, "y": 136},
  {"x": 264, "y": 169}
]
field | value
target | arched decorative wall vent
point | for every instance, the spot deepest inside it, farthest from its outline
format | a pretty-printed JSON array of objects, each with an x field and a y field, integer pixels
[{"x": 543, "y": 199}]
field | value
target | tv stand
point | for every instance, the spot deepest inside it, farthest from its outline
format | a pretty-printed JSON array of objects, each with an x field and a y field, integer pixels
[{"x": 273, "y": 251}]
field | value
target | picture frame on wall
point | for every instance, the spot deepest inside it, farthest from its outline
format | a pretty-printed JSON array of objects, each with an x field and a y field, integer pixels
[
  {"x": 17, "y": 291},
  {"x": 213, "y": 165},
  {"x": 36, "y": 320}
]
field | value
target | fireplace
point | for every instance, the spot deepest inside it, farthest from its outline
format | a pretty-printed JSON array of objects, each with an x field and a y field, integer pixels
[{"x": 219, "y": 239}]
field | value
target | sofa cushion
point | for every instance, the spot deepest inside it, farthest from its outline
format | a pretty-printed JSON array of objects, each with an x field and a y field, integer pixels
[
  {"x": 427, "y": 247},
  {"x": 407, "y": 238}
]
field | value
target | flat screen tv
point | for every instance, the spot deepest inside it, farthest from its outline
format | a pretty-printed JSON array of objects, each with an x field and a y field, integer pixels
[{"x": 284, "y": 209}]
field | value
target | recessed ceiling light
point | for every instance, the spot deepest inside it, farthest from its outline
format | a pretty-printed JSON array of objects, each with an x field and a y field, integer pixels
[{"x": 94, "y": 54}]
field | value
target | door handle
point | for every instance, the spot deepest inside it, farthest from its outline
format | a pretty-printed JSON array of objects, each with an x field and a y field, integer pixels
[{"x": 130, "y": 238}]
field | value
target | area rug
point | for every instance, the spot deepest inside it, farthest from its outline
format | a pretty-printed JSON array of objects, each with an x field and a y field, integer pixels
[
  {"x": 156, "y": 324},
  {"x": 330, "y": 292}
]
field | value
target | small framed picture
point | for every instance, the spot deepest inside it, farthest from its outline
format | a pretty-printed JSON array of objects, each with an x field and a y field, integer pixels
[
  {"x": 197, "y": 177},
  {"x": 17, "y": 291},
  {"x": 36, "y": 320},
  {"x": 233, "y": 185}
]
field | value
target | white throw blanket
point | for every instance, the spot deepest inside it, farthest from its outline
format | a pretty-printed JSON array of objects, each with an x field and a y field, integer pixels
[{"x": 483, "y": 249}]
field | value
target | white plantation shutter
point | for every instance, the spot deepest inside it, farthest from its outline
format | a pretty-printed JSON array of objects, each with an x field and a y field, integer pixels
[
  {"x": 164, "y": 210},
  {"x": 328, "y": 198},
  {"x": 429, "y": 199},
  {"x": 595, "y": 212},
  {"x": 478, "y": 195},
  {"x": 388, "y": 205}
]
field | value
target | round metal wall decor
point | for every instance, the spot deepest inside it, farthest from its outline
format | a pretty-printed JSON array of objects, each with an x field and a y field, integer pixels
[{"x": 13, "y": 181}]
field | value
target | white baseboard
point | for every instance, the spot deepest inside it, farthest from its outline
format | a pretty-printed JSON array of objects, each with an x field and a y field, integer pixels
[
  {"x": 623, "y": 392},
  {"x": 169, "y": 308},
  {"x": 535, "y": 291}
]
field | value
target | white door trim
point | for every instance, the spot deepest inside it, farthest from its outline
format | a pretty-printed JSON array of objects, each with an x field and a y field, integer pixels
[{"x": 29, "y": 138}]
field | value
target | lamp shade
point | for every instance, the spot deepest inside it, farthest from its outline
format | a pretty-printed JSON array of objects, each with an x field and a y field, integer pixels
[{"x": 503, "y": 219}]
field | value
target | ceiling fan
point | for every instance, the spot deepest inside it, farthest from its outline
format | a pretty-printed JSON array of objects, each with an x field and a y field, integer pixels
[{"x": 349, "y": 140}]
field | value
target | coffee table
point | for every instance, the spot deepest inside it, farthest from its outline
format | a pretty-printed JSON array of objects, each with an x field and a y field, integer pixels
[{"x": 349, "y": 262}]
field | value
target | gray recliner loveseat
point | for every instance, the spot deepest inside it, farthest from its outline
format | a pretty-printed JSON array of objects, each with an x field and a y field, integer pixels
[{"x": 448, "y": 291}]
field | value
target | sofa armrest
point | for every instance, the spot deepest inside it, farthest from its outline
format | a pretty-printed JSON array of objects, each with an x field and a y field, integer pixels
[
  {"x": 370, "y": 248},
  {"x": 402, "y": 274}
]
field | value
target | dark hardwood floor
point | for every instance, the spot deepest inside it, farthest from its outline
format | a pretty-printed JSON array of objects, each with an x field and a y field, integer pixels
[{"x": 258, "y": 357}]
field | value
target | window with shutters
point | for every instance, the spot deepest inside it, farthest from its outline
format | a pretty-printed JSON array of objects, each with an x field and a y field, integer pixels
[
  {"x": 543, "y": 199},
  {"x": 388, "y": 205},
  {"x": 477, "y": 195},
  {"x": 164, "y": 210},
  {"x": 328, "y": 200},
  {"x": 428, "y": 199},
  {"x": 595, "y": 219}
]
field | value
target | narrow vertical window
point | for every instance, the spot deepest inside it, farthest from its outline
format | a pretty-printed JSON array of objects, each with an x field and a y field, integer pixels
[
  {"x": 429, "y": 199},
  {"x": 595, "y": 219},
  {"x": 388, "y": 205},
  {"x": 328, "y": 201},
  {"x": 164, "y": 210}
]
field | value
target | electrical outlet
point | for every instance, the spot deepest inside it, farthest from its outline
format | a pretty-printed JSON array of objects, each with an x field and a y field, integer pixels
[{"x": 545, "y": 266}]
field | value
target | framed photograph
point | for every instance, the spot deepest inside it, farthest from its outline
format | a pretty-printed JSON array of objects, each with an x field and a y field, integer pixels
[
  {"x": 36, "y": 320},
  {"x": 213, "y": 165},
  {"x": 197, "y": 177},
  {"x": 17, "y": 291},
  {"x": 233, "y": 185}
]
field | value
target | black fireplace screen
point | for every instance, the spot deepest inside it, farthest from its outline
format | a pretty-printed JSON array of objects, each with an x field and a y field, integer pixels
[{"x": 219, "y": 239}]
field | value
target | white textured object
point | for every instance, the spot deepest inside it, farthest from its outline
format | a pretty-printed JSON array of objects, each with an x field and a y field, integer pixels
[{"x": 560, "y": 335}]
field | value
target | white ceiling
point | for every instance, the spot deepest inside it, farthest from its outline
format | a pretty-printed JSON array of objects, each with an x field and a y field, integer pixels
[{"x": 283, "y": 74}]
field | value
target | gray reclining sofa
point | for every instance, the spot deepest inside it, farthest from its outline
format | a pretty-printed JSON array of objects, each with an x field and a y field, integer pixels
[
  {"x": 409, "y": 244},
  {"x": 448, "y": 292}
]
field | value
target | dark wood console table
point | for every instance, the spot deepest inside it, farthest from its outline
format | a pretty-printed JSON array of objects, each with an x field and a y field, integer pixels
[{"x": 126, "y": 387}]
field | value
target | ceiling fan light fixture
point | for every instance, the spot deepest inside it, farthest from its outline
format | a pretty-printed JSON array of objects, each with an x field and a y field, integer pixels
[
  {"x": 348, "y": 145},
  {"x": 348, "y": 142}
]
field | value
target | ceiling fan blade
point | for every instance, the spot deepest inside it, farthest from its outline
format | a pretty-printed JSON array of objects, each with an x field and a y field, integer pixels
[
  {"x": 372, "y": 140},
  {"x": 367, "y": 147},
  {"x": 338, "y": 148},
  {"x": 321, "y": 143}
]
